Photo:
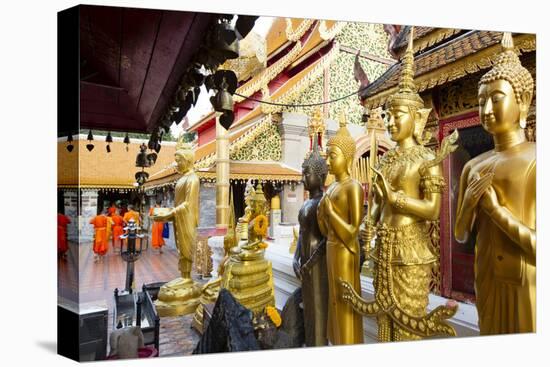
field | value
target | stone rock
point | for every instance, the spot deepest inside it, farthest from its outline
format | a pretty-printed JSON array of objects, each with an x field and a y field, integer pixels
[
  {"x": 293, "y": 320},
  {"x": 230, "y": 328}
]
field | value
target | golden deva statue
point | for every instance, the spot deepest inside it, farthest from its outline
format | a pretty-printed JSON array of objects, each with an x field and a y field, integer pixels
[
  {"x": 497, "y": 196},
  {"x": 180, "y": 296},
  {"x": 339, "y": 215},
  {"x": 248, "y": 275},
  {"x": 407, "y": 195}
]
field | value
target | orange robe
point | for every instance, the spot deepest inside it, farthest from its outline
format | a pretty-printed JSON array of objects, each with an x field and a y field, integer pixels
[
  {"x": 156, "y": 232},
  {"x": 131, "y": 214},
  {"x": 62, "y": 245},
  {"x": 112, "y": 210},
  {"x": 118, "y": 230},
  {"x": 101, "y": 244}
]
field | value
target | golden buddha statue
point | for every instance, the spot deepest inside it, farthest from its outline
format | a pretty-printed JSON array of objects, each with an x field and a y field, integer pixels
[
  {"x": 248, "y": 275},
  {"x": 181, "y": 295},
  {"x": 339, "y": 215},
  {"x": 407, "y": 182},
  {"x": 497, "y": 196}
]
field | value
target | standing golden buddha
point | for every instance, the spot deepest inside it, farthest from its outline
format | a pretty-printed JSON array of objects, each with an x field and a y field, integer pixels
[
  {"x": 339, "y": 216},
  {"x": 407, "y": 198},
  {"x": 181, "y": 295},
  {"x": 497, "y": 196}
]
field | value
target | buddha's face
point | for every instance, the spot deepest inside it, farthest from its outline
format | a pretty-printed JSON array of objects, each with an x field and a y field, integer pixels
[
  {"x": 183, "y": 161},
  {"x": 336, "y": 161},
  {"x": 310, "y": 179},
  {"x": 401, "y": 122},
  {"x": 499, "y": 110}
]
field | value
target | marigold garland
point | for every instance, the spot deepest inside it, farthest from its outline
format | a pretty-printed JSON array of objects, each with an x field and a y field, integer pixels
[
  {"x": 260, "y": 225},
  {"x": 273, "y": 315}
]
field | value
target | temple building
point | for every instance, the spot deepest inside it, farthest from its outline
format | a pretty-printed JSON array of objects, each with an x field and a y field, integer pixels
[{"x": 300, "y": 62}]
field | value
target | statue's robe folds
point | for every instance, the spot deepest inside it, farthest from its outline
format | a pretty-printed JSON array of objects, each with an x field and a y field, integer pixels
[
  {"x": 505, "y": 252},
  {"x": 186, "y": 218},
  {"x": 344, "y": 326}
]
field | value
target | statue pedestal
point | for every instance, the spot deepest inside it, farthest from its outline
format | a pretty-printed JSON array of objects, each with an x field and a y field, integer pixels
[
  {"x": 178, "y": 297},
  {"x": 250, "y": 282},
  {"x": 216, "y": 245}
]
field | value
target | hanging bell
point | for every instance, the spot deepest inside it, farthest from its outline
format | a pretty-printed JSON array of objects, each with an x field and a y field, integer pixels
[
  {"x": 90, "y": 135},
  {"x": 141, "y": 159},
  {"x": 127, "y": 141},
  {"x": 226, "y": 119},
  {"x": 151, "y": 158},
  {"x": 109, "y": 138},
  {"x": 224, "y": 44}
]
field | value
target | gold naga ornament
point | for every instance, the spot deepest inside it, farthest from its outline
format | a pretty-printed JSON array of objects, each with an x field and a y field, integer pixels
[
  {"x": 247, "y": 274},
  {"x": 181, "y": 295},
  {"x": 339, "y": 215},
  {"x": 497, "y": 195},
  {"x": 405, "y": 197}
]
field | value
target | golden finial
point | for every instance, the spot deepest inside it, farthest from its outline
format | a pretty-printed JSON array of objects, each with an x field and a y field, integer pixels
[
  {"x": 342, "y": 119},
  {"x": 507, "y": 41},
  {"x": 407, "y": 92}
]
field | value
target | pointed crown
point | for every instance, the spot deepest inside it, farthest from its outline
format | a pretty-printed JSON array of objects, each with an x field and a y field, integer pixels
[
  {"x": 407, "y": 92},
  {"x": 508, "y": 67},
  {"x": 182, "y": 146}
]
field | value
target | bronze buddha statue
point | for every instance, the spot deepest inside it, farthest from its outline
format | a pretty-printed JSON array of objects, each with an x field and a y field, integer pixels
[{"x": 310, "y": 261}]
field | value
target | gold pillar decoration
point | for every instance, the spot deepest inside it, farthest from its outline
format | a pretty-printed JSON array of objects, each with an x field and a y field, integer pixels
[
  {"x": 222, "y": 175},
  {"x": 247, "y": 274},
  {"x": 497, "y": 196},
  {"x": 181, "y": 295},
  {"x": 316, "y": 128},
  {"x": 406, "y": 192}
]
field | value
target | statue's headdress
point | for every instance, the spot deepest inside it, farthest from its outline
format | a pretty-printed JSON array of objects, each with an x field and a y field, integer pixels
[
  {"x": 509, "y": 68},
  {"x": 316, "y": 162},
  {"x": 407, "y": 92},
  {"x": 181, "y": 145},
  {"x": 258, "y": 194},
  {"x": 343, "y": 139}
]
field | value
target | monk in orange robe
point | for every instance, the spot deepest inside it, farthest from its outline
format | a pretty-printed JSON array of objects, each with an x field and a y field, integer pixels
[
  {"x": 131, "y": 214},
  {"x": 118, "y": 224},
  {"x": 62, "y": 243},
  {"x": 156, "y": 231},
  {"x": 112, "y": 209},
  {"x": 101, "y": 224}
]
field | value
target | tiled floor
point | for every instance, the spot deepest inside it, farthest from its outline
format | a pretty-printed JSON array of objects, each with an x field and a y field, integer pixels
[{"x": 82, "y": 280}]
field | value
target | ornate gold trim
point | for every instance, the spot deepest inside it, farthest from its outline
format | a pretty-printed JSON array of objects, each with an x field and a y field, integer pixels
[
  {"x": 458, "y": 69},
  {"x": 268, "y": 74},
  {"x": 295, "y": 34},
  {"x": 327, "y": 34}
]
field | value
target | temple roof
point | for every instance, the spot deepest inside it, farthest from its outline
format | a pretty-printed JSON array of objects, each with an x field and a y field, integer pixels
[
  {"x": 131, "y": 63},
  {"x": 424, "y": 38},
  {"x": 465, "y": 54},
  {"x": 239, "y": 170},
  {"x": 99, "y": 169}
]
